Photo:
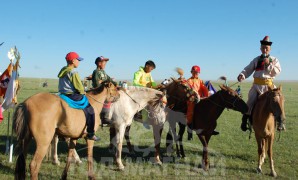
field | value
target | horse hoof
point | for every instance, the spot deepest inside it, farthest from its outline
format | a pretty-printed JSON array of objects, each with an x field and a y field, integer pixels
[
  {"x": 121, "y": 168},
  {"x": 78, "y": 162},
  {"x": 57, "y": 163},
  {"x": 273, "y": 174},
  {"x": 158, "y": 163},
  {"x": 132, "y": 153},
  {"x": 112, "y": 150},
  {"x": 259, "y": 170},
  {"x": 91, "y": 177}
]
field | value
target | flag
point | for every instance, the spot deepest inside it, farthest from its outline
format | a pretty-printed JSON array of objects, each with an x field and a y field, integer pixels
[
  {"x": 10, "y": 92},
  {"x": 10, "y": 95},
  {"x": 4, "y": 79},
  {"x": 210, "y": 87}
]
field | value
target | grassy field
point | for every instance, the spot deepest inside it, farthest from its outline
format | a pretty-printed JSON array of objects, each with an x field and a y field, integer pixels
[{"x": 232, "y": 154}]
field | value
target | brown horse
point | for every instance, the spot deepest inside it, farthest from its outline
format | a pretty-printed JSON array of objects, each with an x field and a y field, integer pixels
[
  {"x": 44, "y": 114},
  {"x": 206, "y": 112},
  {"x": 269, "y": 105}
]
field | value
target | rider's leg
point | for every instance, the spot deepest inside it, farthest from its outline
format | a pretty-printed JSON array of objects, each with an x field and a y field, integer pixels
[
  {"x": 252, "y": 98},
  {"x": 90, "y": 122},
  {"x": 105, "y": 114}
]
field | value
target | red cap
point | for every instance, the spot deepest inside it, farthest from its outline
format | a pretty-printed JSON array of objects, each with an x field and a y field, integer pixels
[
  {"x": 73, "y": 55},
  {"x": 196, "y": 69}
]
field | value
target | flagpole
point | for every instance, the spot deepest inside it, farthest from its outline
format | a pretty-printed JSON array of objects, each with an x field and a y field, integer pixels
[
  {"x": 11, "y": 142},
  {"x": 7, "y": 137}
]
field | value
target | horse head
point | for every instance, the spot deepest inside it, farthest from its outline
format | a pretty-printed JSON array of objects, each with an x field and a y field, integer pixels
[
  {"x": 156, "y": 108},
  {"x": 176, "y": 95},
  {"x": 232, "y": 100},
  {"x": 113, "y": 94},
  {"x": 276, "y": 101}
]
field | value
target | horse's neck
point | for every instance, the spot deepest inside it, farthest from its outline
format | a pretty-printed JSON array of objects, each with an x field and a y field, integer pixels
[
  {"x": 97, "y": 100},
  {"x": 263, "y": 104},
  {"x": 141, "y": 95},
  {"x": 216, "y": 103}
]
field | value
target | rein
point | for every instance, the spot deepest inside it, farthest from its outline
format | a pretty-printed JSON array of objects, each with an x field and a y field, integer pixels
[
  {"x": 131, "y": 98},
  {"x": 95, "y": 99},
  {"x": 99, "y": 101}
]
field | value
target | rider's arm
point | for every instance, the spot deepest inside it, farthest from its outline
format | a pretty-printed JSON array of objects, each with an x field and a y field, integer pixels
[
  {"x": 274, "y": 68},
  {"x": 77, "y": 83}
]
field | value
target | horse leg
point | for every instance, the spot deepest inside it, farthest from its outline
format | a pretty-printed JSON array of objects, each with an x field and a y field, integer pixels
[
  {"x": 270, "y": 155},
  {"x": 90, "y": 144},
  {"x": 261, "y": 150},
  {"x": 157, "y": 130},
  {"x": 119, "y": 134},
  {"x": 180, "y": 135},
  {"x": 126, "y": 136},
  {"x": 54, "y": 146},
  {"x": 112, "y": 139},
  {"x": 169, "y": 142},
  {"x": 71, "y": 146},
  {"x": 76, "y": 157},
  {"x": 204, "y": 140},
  {"x": 41, "y": 150}
]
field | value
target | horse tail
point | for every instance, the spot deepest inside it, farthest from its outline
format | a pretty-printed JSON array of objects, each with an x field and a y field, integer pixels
[{"x": 21, "y": 128}]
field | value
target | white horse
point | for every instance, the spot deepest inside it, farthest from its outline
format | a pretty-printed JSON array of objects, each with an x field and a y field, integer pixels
[{"x": 132, "y": 100}]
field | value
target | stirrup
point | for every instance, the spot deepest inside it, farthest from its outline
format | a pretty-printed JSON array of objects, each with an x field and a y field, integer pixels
[{"x": 94, "y": 138}]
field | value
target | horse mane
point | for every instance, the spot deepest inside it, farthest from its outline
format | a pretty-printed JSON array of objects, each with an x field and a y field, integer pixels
[
  {"x": 158, "y": 94},
  {"x": 189, "y": 92},
  {"x": 265, "y": 94},
  {"x": 99, "y": 89},
  {"x": 139, "y": 88}
]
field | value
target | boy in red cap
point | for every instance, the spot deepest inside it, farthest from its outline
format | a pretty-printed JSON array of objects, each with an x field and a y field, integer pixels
[
  {"x": 70, "y": 85},
  {"x": 98, "y": 76},
  {"x": 265, "y": 68},
  {"x": 198, "y": 86},
  {"x": 202, "y": 91}
]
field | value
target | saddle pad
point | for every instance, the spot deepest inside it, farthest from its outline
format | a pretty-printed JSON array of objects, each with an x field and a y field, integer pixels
[{"x": 81, "y": 104}]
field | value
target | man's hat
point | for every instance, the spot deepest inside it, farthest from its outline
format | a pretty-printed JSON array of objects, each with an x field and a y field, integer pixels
[
  {"x": 266, "y": 41},
  {"x": 196, "y": 69},
  {"x": 73, "y": 55},
  {"x": 100, "y": 58}
]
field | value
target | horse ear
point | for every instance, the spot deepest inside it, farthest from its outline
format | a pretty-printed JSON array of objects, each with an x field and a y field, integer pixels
[
  {"x": 270, "y": 88},
  {"x": 164, "y": 92},
  {"x": 175, "y": 80},
  {"x": 222, "y": 87},
  {"x": 280, "y": 87}
]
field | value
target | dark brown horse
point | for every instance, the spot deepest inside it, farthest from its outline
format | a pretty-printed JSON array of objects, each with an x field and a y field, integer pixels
[
  {"x": 269, "y": 105},
  {"x": 206, "y": 112}
]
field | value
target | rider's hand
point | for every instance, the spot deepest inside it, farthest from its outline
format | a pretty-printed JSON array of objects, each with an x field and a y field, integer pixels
[{"x": 240, "y": 77}]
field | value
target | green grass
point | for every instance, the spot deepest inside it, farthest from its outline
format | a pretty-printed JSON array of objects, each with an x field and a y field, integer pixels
[{"x": 232, "y": 154}]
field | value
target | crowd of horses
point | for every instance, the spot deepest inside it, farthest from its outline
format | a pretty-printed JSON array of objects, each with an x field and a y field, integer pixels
[{"x": 44, "y": 116}]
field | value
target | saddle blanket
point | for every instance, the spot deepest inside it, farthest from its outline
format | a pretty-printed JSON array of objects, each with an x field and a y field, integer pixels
[{"x": 81, "y": 104}]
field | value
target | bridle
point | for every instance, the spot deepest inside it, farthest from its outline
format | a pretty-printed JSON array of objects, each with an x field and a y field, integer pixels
[
  {"x": 108, "y": 92},
  {"x": 224, "y": 100}
]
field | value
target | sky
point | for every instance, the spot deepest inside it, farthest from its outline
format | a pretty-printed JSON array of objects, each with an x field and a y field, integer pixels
[{"x": 220, "y": 36}]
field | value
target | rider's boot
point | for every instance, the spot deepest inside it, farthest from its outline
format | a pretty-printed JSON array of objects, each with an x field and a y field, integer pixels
[{"x": 244, "y": 122}]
